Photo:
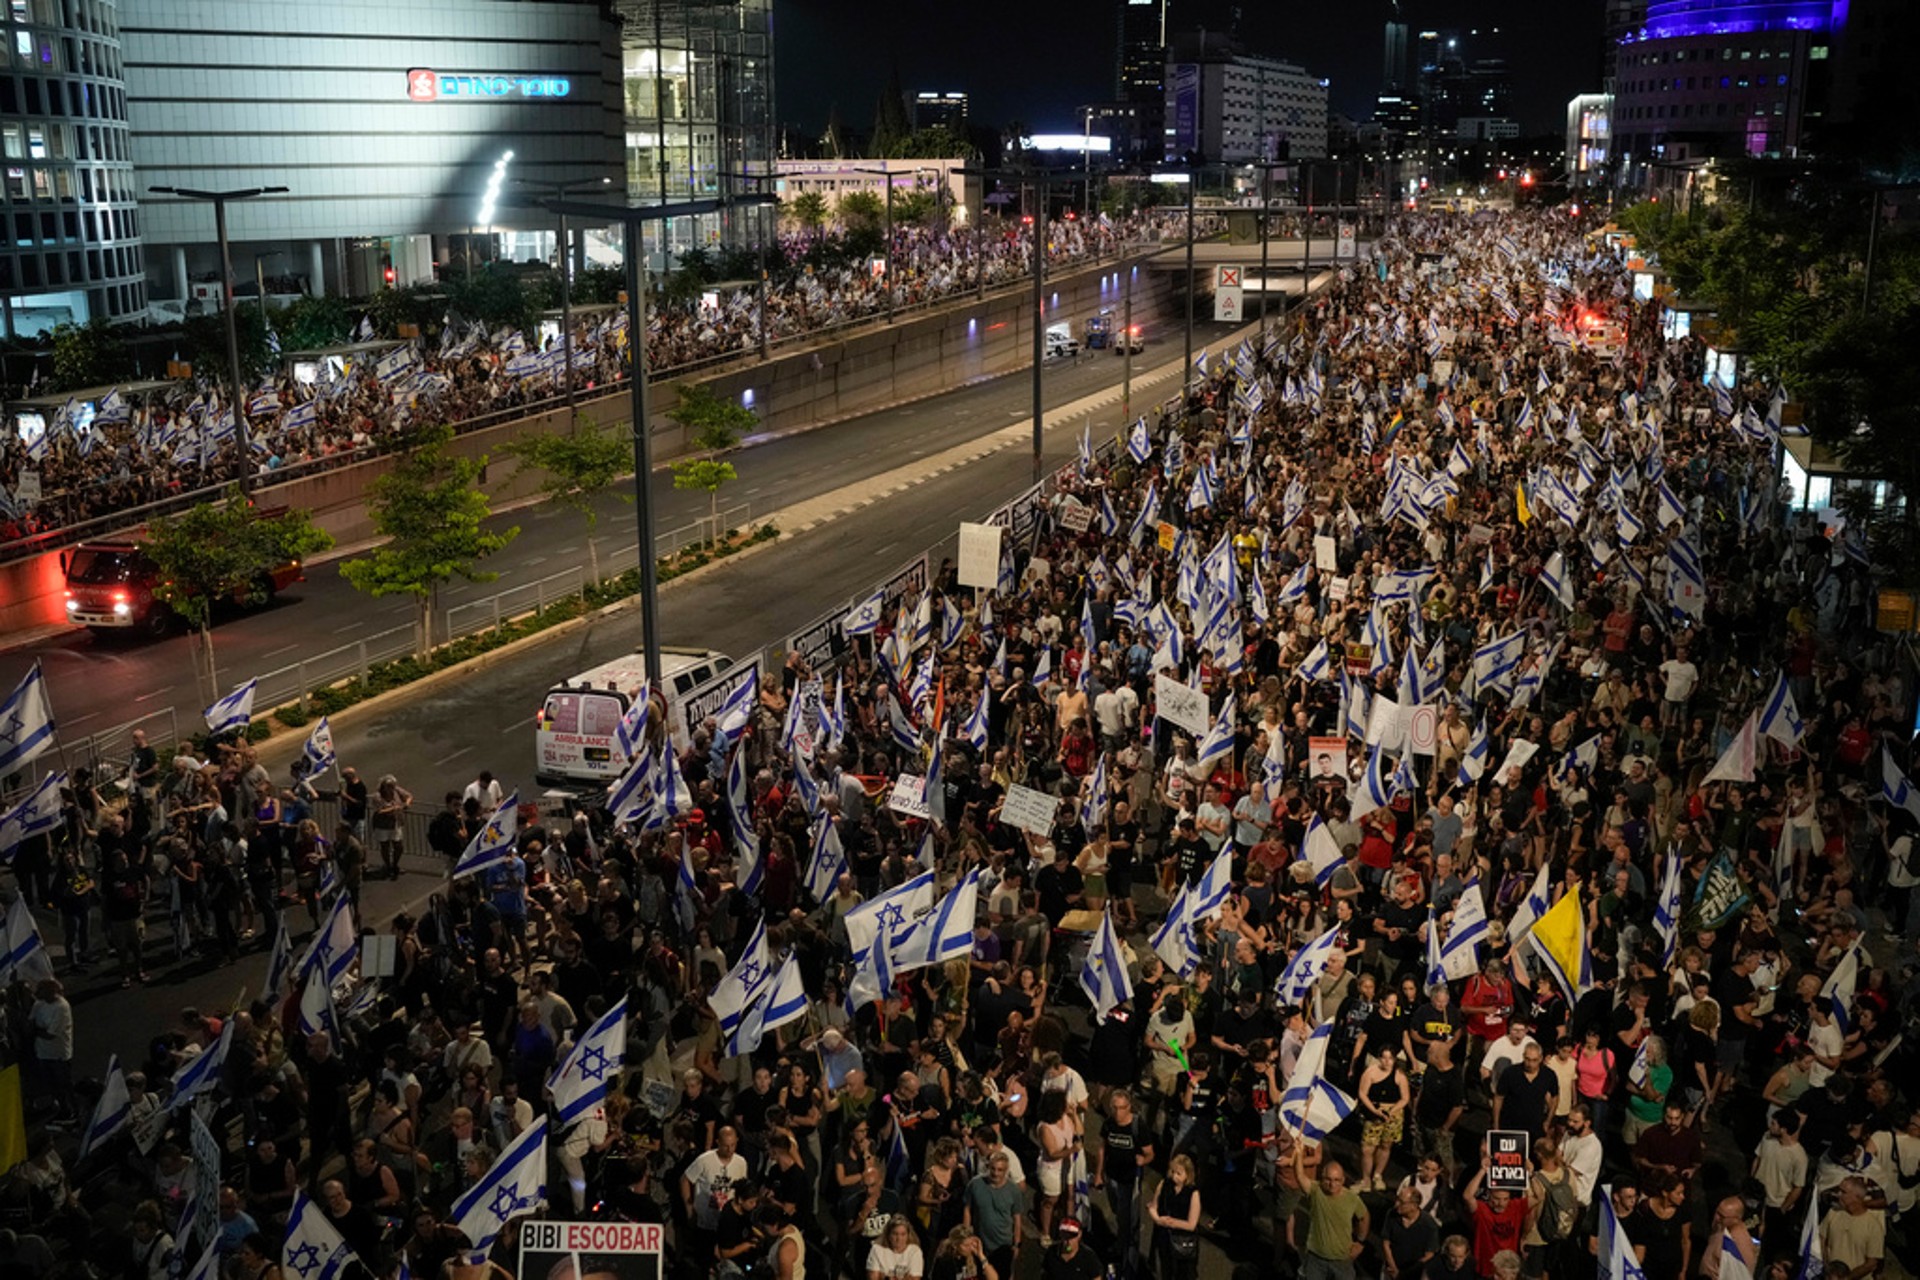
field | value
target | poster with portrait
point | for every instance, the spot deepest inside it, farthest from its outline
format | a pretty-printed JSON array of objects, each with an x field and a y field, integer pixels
[
  {"x": 589, "y": 1251},
  {"x": 1327, "y": 760}
]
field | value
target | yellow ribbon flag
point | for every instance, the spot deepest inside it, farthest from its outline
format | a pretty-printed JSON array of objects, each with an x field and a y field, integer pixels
[
  {"x": 1559, "y": 938},
  {"x": 1520, "y": 503},
  {"x": 13, "y": 1120}
]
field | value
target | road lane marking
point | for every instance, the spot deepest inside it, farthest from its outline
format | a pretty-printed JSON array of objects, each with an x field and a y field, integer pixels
[
  {"x": 450, "y": 759},
  {"x": 285, "y": 648},
  {"x": 351, "y": 626},
  {"x": 154, "y": 693}
]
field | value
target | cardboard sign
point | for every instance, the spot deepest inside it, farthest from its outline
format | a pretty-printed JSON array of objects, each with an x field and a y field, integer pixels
[
  {"x": 1423, "y": 729},
  {"x": 1443, "y": 372},
  {"x": 593, "y": 1250},
  {"x": 1029, "y": 810},
  {"x": 1359, "y": 658},
  {"x": 1178, "y": 704},
  {"x": 909, "y": 796},
  {"x": 1326, "y": 554},
  {"x": 1507, "y": 1170},
  {"x": 1075, "y": 515},
  {"x": 27, "y": 488},
  {"x": 1337, "y": 589},
  {"x": 1327, "y": 759},
  {"x": 1167, "y": 535},
  {"x": 1387, "y": 723},
  {"x": 1479, "y": 534},
  {"x": 979, "y": 555}
]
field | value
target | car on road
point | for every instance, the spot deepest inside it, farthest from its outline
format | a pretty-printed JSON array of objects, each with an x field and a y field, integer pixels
[
  {"x": 1061, "y": 342},
  {"x": 574, "y": 728},
  {"x": 111, "y": 587}
]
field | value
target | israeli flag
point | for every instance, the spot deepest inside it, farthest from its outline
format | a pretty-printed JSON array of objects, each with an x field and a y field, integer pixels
[
  {"x": 1295, "y": 982},
  {"x": 785, "y": 999},
  {"x": 864, "y": 618},
  {"x": 314, "y": 1248},
  {"x": 1296, "y": 586},
  {"x": 334, "y": 947},
  {"x": 1840, "y": 985},
  {"x": 232, "y": 712},
  {"x": 1218, "y": 742},
  {"x": 25, "y": 958},
  {"x": 745, "y": 841},
  {"x": 597, "y": 1059},
  {"x": 671, "y": 798},
  {"x": 1666, "y": 912},
  {"x": 1139, "y": 443},
  {"x": 631, "y": 796},
  {"x": 203, "y": 1073},
  {"x": 1357, "y": 701},
  {"x": 1043, "y": 669},
  {"x": 36, "y": 815},
  {"x": 1204, "y": 492},
  {"x": 318, "y": 751},
  {"x": 1617, "y": 1261},
  {"x": 1554, "y": 578},
  {"x": 111, "y": 1113},
  {"x": 828, "y": 863},
  {"x": 632, "y": 729},
  {"x": 513, "y": 1186},
  {"x": 1093, "y": 810},
  {"x": 1813, "y": 1261},
  {"x": 1216, "y": 883},
  {"x": 941, "y": 934},
  {"x": 280, "y": 964},
  {"x": 493, "y": 844},
  {"x": 1317, "y": 665},
  {"x": 1103, "y": 975},
  {"x": 1779, "y": 718},
  {"x": 1374, "y": 791},
  {"x": 1524, "y": 422},
  {"x": 737, "y": 711},
  {"x": 742, "y": 985},
  {"x": 26, "y": 722},
  {"x": 872, "y": 978},
  {"x": 1173, "y": 940}
]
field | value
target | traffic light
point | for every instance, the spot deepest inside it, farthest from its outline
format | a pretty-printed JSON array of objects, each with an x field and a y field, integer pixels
[
  {"x": 390, "y": 276},
  {"x": 1526, "y": 179}
]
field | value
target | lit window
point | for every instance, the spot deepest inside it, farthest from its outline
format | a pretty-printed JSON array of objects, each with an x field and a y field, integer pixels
[{"x": 1817, "y": 54}]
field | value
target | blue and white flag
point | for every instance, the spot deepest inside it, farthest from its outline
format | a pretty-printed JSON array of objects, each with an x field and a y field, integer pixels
[
  {"x": 1103, "y": 975},
  {"x": 828, "y": 863},
  {"x": 1779, "y": 718},
  {"x": 740, "y": 833},
  {"x": 1317, "y": 665},
  {"x": 26, "y": 722},
  {"x": 1321, "y": 852},
  {"x": 975, "y": 729},
  {"x": 1043, "y": 669},
  {"x": 1840, "y": 985},
  {"x": 1219, "y": 740},
  {"x": 1666, "y": 911},
  {"x": 1617, "y": 1260},
  {"x": 1139, "y": 443},
  {"x": 1895, "y": 788},
  {"x": 318, "y": 751},
  {"x": 493, "y": 844},
  {"x": 1374, "y": 791},
  {"x": 942, "y": 934},
  {"x": 872, "y": 978},
  {"x": 631, "y": 797},
  {"x": 671, "y": 798},
  {"x": 111, "y": 1113},
  {"x": 784, "y": 998},
  {"x": 597, "y": 1059},
  {"x": 202, "y": 1074},
  {"x": 737, "y": 711},
  {"x": 513, "y": 1186},
  {"x": 334, "y": 946},
  {"x": 1173, "y": 940},
  {"x": 864, "y": 618},
  {"x": 631, "y": 732},
  {"x": 1216, "y": 883},
  {"x": 314, "y": 1249},
  {"x": 25, "y": 957},
  {"x": 279, "y": 964},
  {"x": 889, "y": 917},
  {"x": 741, "y": 985},
  {"x": 1813, "y": 1258},
  {"x": 34, "y": 816},
  {"x": 233, "y": 711}
]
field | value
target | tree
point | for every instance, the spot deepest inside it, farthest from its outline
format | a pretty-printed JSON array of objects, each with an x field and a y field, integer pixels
[
  {"x": 495, "y": 297},
  {"x": 808, "y": 210},
  {"x": 936, "y": 143},
  {"x": 574, "y": 470},
  {"x": 713, "y": 426},
  {"x": 88, "y": 355},
  {"x": 916, "y": 206},
  {"x": 433, "y": 518},
  {"x": 309, "y": 323},
  {"x": 226, "y": 551},
  {"x": 861, "y": 210},
  {"x": 891, "y": 127}
]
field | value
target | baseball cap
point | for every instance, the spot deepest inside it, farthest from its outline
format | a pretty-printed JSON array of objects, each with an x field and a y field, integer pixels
[{"x": 1067, "y": 1227}]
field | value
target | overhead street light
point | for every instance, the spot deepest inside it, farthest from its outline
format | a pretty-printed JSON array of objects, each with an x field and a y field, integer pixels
[
  {"x": 631, "y": 218},
  {"x": 219, "y": 199},
  {"x": 554, "y": 189}
]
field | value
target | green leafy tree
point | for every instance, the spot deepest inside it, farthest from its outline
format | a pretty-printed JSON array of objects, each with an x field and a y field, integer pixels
[
  {"x": 808, "y": 211},
  {"x": 598, "y": 285},
  {"x": 205, "y": 343},
  {"x": 225, "y": 551},
  {"x": 916, "y": 206},
  {"x": 936, "y": 143},
  {"x": 88, "y": 355},
  {"x": 713, "y": 426},
  {"x": 862, "y": 211},
  {"x": 433, "y": 516},
  {"x": 494, "y": 296},
  {"x": 891, "y": 127},
  {"x": 574, "y": 470},
  {"x": 313, "y": 322}
]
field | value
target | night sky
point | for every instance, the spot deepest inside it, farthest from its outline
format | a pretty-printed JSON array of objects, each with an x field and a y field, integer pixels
[{"x": 1037, "y": 60}]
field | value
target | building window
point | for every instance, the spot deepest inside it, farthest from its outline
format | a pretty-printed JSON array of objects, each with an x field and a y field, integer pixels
[{"x": 1818, "y": 53}]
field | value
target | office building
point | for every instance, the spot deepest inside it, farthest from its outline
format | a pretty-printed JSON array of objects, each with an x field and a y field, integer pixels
[
  {"x": 1393, "y": 62},
  {"x": 1589, "y": 139},
  {"x": 385, "y": 121},
  {"x": 1139, "y": 81},
  {"x": 72, "y": 245},
  {"x": 1231, "y": 107},
  {"x": 941, "y": 110},
  {"x": 1698, "y": 81}
]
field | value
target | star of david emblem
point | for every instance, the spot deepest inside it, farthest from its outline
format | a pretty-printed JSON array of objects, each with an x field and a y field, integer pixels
[
  {"x": 505, "y": 1204},
  {"x": 889, "y": 915},
  {"x": 305, "y": 1258},
  {"x": 750, "y": 974},
  {"x": 593, "y": 1062},
  {"x": 16, "y": 722}
]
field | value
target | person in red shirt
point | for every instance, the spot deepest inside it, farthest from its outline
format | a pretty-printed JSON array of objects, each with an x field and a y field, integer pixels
[
  {"x": 1376, "y": 848},
  {"x": 1499, "y": 1221},
  {"x": 1488, "y": 1002}
]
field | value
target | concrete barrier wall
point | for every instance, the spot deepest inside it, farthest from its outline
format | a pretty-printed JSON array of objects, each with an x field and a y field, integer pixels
[{"x": 864, "y": 371}]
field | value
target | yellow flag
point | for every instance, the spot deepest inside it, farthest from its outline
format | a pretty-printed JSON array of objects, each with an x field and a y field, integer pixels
[
  {"x": 13, "y": 1120},
  {"x": 1520, "y": 503},
  {"x": 1559, "y": 939}
]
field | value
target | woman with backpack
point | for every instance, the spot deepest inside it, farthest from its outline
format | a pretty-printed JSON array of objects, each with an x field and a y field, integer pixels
[{"x": 1553, "y": 1212}]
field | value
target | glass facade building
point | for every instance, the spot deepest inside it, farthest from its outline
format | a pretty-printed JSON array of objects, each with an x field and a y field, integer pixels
[
  {"x": 697, "y": 80},
  {"x": 72, "y": 248}
]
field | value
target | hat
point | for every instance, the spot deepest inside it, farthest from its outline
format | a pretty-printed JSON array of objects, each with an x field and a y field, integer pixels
[
  {"x": 1067, "y": 1227},
  {"x": 696, "y": 815}
]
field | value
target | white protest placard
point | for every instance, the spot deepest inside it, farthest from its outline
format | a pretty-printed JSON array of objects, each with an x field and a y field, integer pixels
[
  {"x": 1075, "y": 515},
  {"x": 909, "y": 796},
  {"x": 1337, "y": 589},
  {"x": 1423, "y": 728},
  {"x": 1387, "y": 723},
  {"x": 1029, "y": 810},
  {"x": 1443, "y": 372},
  {"x": 1180, "y": 704},
  {"x": 28, "y": 487},
  {"x": 1326, "y": 554},
  {"x": 979, "y": 555}
]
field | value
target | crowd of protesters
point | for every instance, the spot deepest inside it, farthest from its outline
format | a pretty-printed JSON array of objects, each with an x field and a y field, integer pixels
[
  {"x": 1431, "y": 458},
  {"x": 163, "y": 444}
]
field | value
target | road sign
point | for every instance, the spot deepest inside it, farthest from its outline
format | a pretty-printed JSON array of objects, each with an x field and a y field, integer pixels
[
  {"x": 1347, "y": 246},
  {"x": 1226, "y": 305},
  {"x": 1225, "y": 277}
]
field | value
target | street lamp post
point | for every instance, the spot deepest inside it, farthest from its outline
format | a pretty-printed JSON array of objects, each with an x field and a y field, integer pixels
[
  {"x": 219, "y": 199},
  {"x": 632, "y": 219},
  {"x": 554, "y": 190},
  {"x": 1186, "y": 370}
]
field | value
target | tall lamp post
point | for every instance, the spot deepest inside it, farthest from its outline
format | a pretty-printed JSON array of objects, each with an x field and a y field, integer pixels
[
  {"x": 219, "y": 199},
  {"x": 632, "y": 219},
  {"x": 887, "y": 260},
  {"x": 554, "y": 190}
]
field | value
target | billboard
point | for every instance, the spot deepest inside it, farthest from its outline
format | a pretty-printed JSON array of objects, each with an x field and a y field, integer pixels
[{"x": 1183, "y": 93}]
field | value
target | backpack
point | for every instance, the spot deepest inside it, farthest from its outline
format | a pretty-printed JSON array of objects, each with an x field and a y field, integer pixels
[{"x": 1559, "y": 1208}]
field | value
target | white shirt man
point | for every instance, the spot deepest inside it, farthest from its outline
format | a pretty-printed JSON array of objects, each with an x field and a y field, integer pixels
[
  {"x": 1507, "y": 1050},
  {"x": 708, "y": 1183}
]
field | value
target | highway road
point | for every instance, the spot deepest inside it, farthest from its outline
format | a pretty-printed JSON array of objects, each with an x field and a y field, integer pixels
[{"x": 98, "y": 683}]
